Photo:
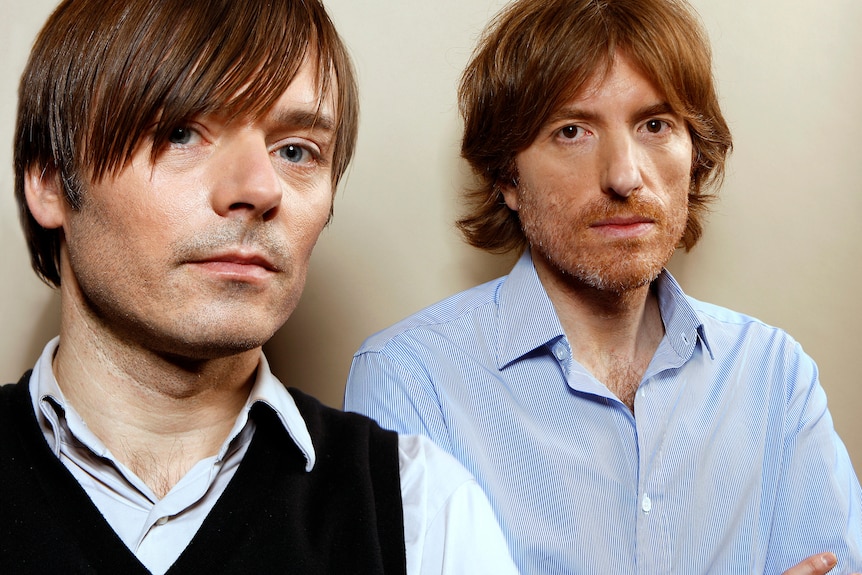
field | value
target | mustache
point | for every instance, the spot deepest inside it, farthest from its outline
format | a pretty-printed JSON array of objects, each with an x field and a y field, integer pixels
[
  {"x": 260, "y": 241},
  {"x": 602, "y": 209}
]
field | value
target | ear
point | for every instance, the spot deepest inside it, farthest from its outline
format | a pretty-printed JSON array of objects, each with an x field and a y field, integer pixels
[
  {"x": 509, "y": 188},
  {"x": 45, "y": 197}
]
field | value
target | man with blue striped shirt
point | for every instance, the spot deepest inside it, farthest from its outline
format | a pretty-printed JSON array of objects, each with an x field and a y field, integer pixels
[{"x": 617, "y": 425}]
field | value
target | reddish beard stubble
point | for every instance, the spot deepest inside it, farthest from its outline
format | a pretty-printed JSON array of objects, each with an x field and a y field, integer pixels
[{"x": 571, "y": 245}]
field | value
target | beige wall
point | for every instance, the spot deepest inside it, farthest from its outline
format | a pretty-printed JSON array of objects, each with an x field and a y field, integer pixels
[{"x": 783, "y": 244}]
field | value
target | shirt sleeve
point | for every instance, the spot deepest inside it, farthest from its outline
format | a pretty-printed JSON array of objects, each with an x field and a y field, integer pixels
[
  {"x": 393, "y": 392},
  {"x": 449, "y": 526},
  {"x": 818, "y": 504}
]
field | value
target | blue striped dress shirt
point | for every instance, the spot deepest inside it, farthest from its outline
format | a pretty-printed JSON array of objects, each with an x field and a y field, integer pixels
[{"x": 729, "y": 464}]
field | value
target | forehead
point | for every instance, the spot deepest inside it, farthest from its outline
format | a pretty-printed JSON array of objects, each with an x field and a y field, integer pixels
[
  {"x": 612, "y": 84},
  {"x": 302, "y": 106},
  {"x": 308, "y": 87},
  {"x": 309, "y": 90}
]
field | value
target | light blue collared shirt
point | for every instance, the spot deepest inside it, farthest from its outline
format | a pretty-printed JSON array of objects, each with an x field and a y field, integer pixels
[{"x": 730, "y": 463}]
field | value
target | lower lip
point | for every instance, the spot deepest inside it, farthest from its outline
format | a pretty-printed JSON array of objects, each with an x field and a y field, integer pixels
[
  {"x": 234, "y": 271},
  {"x": 625, "y": 231}
]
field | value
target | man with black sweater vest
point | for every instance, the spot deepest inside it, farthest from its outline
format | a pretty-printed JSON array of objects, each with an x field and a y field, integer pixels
[{"x": 175, "y": 163}]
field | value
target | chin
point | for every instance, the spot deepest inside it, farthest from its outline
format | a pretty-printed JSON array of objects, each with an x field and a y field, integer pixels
[
  {"x": 617, "y": 284},
  {"x": 612, "y": 271},
  {"x": 212, "y": 342},
  {"x": 198, "y": 351}
]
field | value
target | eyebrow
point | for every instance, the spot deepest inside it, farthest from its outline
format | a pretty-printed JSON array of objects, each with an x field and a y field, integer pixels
[
  {"x": 565, "y": 112},
  {"x": 316, "y": 120},
  {"x": 657, "y": 109}
]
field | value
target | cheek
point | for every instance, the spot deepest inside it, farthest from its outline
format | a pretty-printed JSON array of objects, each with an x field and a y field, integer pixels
[
  {"x": 561, "y": 176},
  {"x": 674, "y": 172},
  {"x": 685, "y": 159},
  {"x": 96, "y": 224},
  {"x": 306, "y": 216}
]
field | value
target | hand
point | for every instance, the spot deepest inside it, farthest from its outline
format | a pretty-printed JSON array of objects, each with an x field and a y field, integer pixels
[{"x": 819, "y": 564}]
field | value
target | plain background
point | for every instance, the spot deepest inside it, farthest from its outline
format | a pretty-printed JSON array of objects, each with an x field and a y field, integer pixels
[{"x": 784, "y": 243}]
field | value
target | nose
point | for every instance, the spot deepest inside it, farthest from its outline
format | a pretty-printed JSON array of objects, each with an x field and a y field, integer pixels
[
  {"x": 246, "y": 182},
  {"x": 621, "y": 166}
]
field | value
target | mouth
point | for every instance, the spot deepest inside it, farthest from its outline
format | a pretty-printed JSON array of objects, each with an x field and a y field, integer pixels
[
  {"x": 623, "y": 221},
  {"x": 237, "y": 265},
  {"x": 624, "y": 226},
  {"x": 243, "y": 259}
]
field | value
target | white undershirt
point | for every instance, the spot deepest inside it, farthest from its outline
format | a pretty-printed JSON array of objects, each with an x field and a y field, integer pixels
[{"x": 449, "y": 526}]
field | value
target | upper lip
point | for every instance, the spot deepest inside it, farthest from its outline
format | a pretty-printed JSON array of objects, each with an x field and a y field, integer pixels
[{"x": 244, "y": 257}]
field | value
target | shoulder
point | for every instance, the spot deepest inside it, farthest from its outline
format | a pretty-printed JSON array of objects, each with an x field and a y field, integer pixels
[
  {"x": 466, "y": 306},
  {"x": 16, "y": 391},
  {"x": 427, "y": 472},
  {"x": 737, "y": 323},
  {"x": 736, "y": 337},
  {"x": 449, "y": 525},
  {"x": 323, "y": 421},
  {"x": 719, "y": 313},
  {"x": 433, "y": 484}
]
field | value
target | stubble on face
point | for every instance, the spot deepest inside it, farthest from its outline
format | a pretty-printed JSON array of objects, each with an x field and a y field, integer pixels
[
  {"x": 566, "y": 241},
  {"x": 142, "y": 296},
  {"x": 262, "y": 239}
]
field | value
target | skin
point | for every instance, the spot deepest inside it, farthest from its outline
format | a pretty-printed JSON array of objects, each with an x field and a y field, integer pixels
[
  {"x": 819, "y": 564},
  {"x": 175, "y": 273},
  {"x": 602, "y": 197}
]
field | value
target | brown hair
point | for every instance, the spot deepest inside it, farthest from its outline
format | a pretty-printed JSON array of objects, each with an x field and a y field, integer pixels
[
  {"x": 536, "y": 54},
  {"x": 103, "y": 72}
]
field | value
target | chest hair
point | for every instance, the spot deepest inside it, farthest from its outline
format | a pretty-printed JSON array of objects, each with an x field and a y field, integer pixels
[{"x": 623, "y": 378}]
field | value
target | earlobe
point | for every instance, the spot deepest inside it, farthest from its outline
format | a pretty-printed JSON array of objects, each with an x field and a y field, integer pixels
[{"x": 45, "y": 197}]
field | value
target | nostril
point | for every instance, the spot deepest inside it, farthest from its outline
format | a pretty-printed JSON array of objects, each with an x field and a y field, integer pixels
[
  {"x": 270, "y": 214},
  {"x": 241, "y": 206},
  {"x": 250, "y": 209}
]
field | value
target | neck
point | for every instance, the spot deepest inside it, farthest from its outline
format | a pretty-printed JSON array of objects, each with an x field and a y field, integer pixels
[
  {"x": 158, "y": 415},
  {"x": 612, "y": 334}
]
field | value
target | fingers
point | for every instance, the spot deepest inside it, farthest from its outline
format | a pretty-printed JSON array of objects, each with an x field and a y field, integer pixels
[{"x": 819, "y": 564}]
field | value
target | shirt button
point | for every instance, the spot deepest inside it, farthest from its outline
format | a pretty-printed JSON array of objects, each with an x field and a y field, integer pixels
[
  {"x": 646, "y": 504},
  {"x": 560, "y": 353},
  {"x": 161, "y": 521}
]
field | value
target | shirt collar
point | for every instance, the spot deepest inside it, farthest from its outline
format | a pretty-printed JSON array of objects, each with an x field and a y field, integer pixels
[
  {"x": 683, "y": 327},
  {"x": 45, "y": 394},
  {"x": 527, "y": 319},
  {"x": 271, "y": 392}
]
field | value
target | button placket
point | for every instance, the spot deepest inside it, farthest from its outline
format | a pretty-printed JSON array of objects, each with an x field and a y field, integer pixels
[{"x": 646, "y": 504}]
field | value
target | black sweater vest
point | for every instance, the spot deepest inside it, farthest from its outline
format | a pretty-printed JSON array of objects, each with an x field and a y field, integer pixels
[{"x": 345, "y": 516}]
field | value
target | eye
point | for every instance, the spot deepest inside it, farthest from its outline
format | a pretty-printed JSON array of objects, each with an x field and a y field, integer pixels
[
  {"x": 182, "y": 136},
  {"x": 296, "y": 154},
  {"x": 572, "y": 132},
  {"x": 655, "y": 126}
]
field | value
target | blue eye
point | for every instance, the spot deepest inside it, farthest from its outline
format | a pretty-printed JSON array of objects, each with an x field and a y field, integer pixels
[
  {"x": 295, "y": 154},
  {"x": 180, "y": 135}
]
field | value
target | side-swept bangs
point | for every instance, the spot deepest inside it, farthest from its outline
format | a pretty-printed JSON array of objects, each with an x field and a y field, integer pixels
[{"x": 106, "y": 75}]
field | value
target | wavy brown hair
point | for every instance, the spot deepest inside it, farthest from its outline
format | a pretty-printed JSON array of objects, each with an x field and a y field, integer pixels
[
  {"x": 102, "y": 73},
  {"x": 537, "y": 54}
]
